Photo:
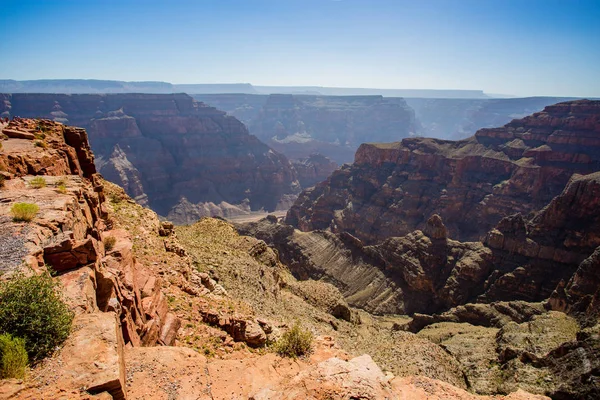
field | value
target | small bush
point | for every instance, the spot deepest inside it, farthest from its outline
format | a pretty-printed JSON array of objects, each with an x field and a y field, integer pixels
[
  {"x": 62, "y": 189},
  {"x": 115, "y": 198},
  {"x": 109, "y": 243},
  {"x": 295, "y": 342},
  {"x": 31, "y": 308},
  {"x": 24, "y": 211},
  {"x": 38, "y": 182},
  {"x": 13, "y": 357},
  {"x": 39, "y": 143}
]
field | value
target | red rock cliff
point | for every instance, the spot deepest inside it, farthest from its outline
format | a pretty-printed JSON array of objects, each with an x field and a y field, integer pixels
[{"x": 392, "y": 189}]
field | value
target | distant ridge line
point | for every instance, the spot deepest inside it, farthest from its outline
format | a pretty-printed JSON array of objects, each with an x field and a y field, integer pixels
[{"x": 95, "y": 86}]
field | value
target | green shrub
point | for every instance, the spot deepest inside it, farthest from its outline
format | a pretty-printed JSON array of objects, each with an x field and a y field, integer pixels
[
  {"x": 31, "y": 308},
  {"x": 13, "y": 357},
  {"x": 38, "y": 182},
  {"x": 295, "y": 342},
  {"x": 109, "y": 243},
  {"x": 62, "y": 189},
  {"x": 24, "y": 211}
]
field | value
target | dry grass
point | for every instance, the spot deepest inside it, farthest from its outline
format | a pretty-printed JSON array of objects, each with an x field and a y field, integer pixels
[
  {"x": 13, "y": 357},
  {"x": 109, "y": 243},
  {"x": 38, "y": 182},
  {"x": 24, "y": 211}
]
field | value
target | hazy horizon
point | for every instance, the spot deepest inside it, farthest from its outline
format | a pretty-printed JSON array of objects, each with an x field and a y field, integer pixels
[{"x": 518, "y": 48}]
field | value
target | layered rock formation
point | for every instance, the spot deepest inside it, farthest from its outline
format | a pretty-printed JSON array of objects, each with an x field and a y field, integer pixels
[
  {"x": 300, "y": 125},
  {"x": 392, "y": 189},
  {"x": 314, "y": 169},
  {"x": 115, "y": 299},
  {"x": 529, "y": 190},
  {"x": 163, "y": 148},
  {"x": 520, "y": 258},
  {"x": 135, "y": 283}
]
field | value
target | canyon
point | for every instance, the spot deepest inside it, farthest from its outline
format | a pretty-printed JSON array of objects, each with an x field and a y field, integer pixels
[
  {"x": 480, "y": 279},
  {"x": 478, "y": 240},
  {"x": 182, "y": 158},
  {"x": 335, "y": 126},
  {"x": 164, "y": 312},
  {"x": 392, "y": 189},
  {"x": 187, "y": 160}
]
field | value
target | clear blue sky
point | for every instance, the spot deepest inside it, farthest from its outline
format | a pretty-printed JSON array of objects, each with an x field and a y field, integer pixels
[{"x": 520, "y": 47}]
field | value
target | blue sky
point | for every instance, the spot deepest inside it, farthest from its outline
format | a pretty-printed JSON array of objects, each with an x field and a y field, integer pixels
[{"x": 524, "y": 47}]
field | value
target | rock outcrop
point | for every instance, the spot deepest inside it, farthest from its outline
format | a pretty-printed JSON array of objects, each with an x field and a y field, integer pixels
[
  {"x": 393, "y": 189},
  {"x": 163, "y": 148},
  {"x": 103, "y": 284}
]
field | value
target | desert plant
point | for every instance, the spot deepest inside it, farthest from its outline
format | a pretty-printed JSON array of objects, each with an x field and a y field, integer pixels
[
  {"x": 24, "y": 211},
  {"x": 39, "y": 143},
  {"x": 62, "y": 189},
  {"x": 13, "y": 357},
  {"x": 31, "y": 308},
  {"x": 38, "y": 182},
  {"x": 295, "y": 342},
  {"x": 109, "y": 243}
]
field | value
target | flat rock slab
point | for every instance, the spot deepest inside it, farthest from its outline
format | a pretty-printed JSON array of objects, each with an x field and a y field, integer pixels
[
  {"x": 16, "y": 134},
  {"x": 165, "y": 373},
  {"x": 93, "y": 355}
]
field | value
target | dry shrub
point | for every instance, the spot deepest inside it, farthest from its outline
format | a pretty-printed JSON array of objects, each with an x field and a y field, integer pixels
[{"x": 24, "y": 211}]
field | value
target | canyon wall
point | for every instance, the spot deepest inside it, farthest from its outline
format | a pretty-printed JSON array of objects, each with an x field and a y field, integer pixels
[
  {"x": 300, "y": 125},
  {"x": 169, "y": 151},
  {"x": 393, "y": 189}
]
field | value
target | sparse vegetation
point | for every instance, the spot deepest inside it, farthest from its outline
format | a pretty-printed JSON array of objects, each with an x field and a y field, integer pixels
[
  {"x": 295, "y": 342},
  {"x": 31, "y": 308},
  {"x": 24, "y": 211},
  {"x": 38, "y": 182},
  {"x": 61, "y": 185},
  {"x": 109, "y": 243},
  {"x": 39, "y": 143},
  {"x": 13, "y": 357}
]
